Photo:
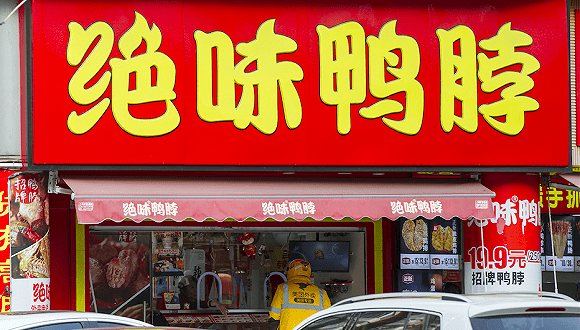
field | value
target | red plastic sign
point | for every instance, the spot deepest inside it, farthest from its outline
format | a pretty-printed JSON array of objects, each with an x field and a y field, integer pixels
[{"x": 320, "y": 83}]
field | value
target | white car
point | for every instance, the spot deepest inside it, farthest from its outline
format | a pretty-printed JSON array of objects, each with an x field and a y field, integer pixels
[
  {"x": 63, "y": 320},
  {"x": 448, "y": 311}
]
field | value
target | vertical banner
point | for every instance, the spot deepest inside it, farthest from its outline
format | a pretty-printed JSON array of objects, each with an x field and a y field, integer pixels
[
  {"x": 29, "y": 242},
  {"x": 503, "y": 253},
  {"x": 4, "y": 243}
]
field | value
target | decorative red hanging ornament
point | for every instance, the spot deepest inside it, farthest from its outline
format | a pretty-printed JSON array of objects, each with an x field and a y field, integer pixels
[{"x": 249, "y": 247}]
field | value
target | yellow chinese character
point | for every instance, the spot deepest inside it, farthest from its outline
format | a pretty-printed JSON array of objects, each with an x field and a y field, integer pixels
[
  {"x": 4, "y": 238},
  {"x": 554, "y": 197},
  {"x": 121, "y": 97},
  {"x": 458, "y": 78},
  {"x": 342, "y": 69},
  {"x": 513, "y": 106},
  {"x": 3, "y": 204},
  {"x": 573, "y": 199},
  {"x": 381, "y": 50},
  {"x": 79, "y": 43},
  {"x": 268, "y": 75},
  {"x": 4, "y": 274}
]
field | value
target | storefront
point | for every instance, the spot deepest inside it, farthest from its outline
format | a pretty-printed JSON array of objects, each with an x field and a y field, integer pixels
[{"x": 392, "y": 145}]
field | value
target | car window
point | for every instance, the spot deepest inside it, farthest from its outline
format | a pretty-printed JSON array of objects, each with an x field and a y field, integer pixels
[
  {"x": 397, "y": 320},
  {"x": 59, "y": 326},
  {"x": 333, "y": 322},
  {"x": 383, "y": 320},
  {"x": 110, "y": 324},
  {"x": 433, "y": 322},
  {"x": 527, "y": 322}
]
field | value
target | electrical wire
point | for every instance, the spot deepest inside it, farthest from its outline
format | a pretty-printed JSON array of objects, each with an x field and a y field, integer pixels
[{"x": 12, "y": 12}]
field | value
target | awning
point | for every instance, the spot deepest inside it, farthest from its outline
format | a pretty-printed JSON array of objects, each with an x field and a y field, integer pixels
[
  {"x": 573, "y": 178},
  {"x": 200, "y": 198}
]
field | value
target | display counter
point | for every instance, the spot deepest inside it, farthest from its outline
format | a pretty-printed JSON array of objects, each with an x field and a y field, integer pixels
[{"x": 209, "y": 319}]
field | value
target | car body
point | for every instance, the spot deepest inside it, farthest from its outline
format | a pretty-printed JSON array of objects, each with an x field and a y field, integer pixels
[
  {"x": 140, "y": 328},
  {"x": 64, "y": 320},
  {"x": 447, "y": 311}
]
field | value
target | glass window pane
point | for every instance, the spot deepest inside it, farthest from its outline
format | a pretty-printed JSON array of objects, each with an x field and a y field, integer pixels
[
  {"x": 527, "y": 322},
  {"x": 108, "y": 324},
  {"x": 391, "y": 320},
  {"x": 416, "y": 321},
  {"x": 60, "y": 326},
  {"x": 335, "y": 322},
  {"x": 434, "y": 322}
]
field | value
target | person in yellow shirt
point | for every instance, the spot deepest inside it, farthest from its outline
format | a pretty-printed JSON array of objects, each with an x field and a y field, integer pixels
[{"x": 296, "y": 299}]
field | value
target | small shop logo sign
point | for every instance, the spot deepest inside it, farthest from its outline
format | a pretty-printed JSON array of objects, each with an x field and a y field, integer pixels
[
  {"x": 435, "y": 261},
  {"x": 85, "y": 206},
  {"x": 408, "y": 278},
  {"x": 481, "y": 205},
  {"x": 406, "y": 261}
]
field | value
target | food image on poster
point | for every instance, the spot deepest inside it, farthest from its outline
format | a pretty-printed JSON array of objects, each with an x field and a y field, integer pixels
[
  {"x": 29, "y": 218},
  {"x": 442, "y": 238},
  {"x": 119, "y": 270},
  {"x": 414, "y": 234},
  {"x": 559, "y": 231},
  {"x": 29, "y": 226},
  {"x": 34, "y": 261}
]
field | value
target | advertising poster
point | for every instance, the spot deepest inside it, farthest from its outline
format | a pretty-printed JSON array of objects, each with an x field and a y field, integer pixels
[
  {"x": 559, "y": 235},
  {"x": 29, "y": 242},
  {"x": 414, "y": 247},
  {"x": 167, "y": 253},
  {"x": 4, "y": 243},
  {"x": 119, "y": 271},
  {"x": 504, "y": 253},
  {"x": 444, "y": 244}
]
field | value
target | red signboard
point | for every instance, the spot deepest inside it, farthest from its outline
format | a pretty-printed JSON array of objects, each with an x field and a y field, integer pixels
[
  {"x": 350, "y": 83},
  {"x": 4, "y": 242}
]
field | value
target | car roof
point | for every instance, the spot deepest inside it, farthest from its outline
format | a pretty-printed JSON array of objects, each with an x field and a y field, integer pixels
[
  {"x": 20, "y": 319},
  {"x": 456, "y": 305}
]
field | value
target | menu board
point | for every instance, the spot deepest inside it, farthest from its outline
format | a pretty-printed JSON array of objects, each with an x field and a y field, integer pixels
[
  {"x": 444, "y": 244},
  {"x": 558, "y": 242},
  {"x": 428, "y": 244}
]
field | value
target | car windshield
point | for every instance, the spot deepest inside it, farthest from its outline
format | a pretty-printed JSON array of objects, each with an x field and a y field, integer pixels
[{"x": 528, "y": 322}]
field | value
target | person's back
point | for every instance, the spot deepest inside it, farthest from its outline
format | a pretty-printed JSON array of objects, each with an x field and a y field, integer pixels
[{"x": 297, "y": 299}]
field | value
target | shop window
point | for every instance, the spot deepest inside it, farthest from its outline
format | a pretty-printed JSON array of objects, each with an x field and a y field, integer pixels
[{"x": 173, "y": 271}]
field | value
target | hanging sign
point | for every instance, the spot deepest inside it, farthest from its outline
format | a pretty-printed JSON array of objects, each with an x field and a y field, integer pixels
[{"x": 318, "y": 83}]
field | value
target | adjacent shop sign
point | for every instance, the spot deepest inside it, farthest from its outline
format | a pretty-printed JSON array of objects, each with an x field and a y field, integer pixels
[
  {"x": 360, "y": 83},
  {"x": 29, "y": 242},
  {"x": 560, "y": 201},
  {"x": 504, "y": 253},
  {"x": 4, "y": 242}
]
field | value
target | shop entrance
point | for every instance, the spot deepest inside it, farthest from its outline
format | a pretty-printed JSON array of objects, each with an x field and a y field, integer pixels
[{"x": 173, "y": 274}]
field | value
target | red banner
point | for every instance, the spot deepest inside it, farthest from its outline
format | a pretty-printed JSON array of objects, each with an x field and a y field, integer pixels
[
  {"x": 504, "y": 253},
  {"x": 346, "y": 83}
]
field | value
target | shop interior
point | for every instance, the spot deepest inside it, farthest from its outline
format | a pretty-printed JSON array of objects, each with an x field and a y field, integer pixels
[{"x": 136, "y": 270}]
